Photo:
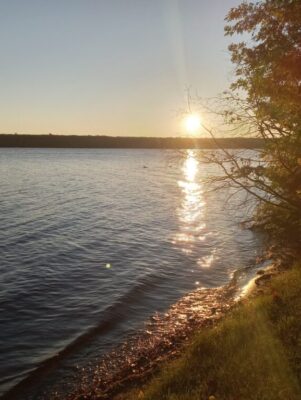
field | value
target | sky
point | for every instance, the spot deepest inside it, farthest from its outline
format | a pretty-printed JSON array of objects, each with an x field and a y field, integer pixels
[{"x": 108, "y": 67}]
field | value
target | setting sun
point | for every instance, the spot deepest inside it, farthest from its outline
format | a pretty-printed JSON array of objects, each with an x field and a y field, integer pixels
[{"x": 192, "y": 123}]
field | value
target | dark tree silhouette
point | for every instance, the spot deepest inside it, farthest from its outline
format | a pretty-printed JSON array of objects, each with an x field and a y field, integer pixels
[{"x": 264, "y": 101}]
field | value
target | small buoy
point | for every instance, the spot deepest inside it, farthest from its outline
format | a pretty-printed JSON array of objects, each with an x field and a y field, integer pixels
[{"x": 108, "y": 265}]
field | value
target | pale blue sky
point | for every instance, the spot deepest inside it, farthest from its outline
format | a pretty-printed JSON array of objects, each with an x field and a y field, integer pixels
[{"x": 115, "y": 67}]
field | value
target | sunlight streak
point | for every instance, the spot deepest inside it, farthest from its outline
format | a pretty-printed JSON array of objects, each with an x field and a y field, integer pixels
[
  {"x": 190, "y": 212},
  {"x": 193, "y": 233}
]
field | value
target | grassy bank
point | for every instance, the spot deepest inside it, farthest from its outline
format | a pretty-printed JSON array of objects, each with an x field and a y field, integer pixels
[{"x": 254, "y": 353}]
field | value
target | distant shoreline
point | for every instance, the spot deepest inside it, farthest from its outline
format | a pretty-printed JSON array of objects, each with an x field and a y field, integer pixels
[{"x": 124, "y": 142}]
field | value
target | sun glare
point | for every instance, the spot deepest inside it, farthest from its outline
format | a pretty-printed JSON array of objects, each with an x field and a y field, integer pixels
[{"x": 192, "y": 123}]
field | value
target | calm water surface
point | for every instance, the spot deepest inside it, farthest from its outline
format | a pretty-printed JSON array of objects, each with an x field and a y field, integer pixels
[{"x": 103, "y": 239}]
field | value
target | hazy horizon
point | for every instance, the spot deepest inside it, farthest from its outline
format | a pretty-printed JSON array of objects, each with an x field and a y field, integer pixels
[{"x": 116, "y": 68}]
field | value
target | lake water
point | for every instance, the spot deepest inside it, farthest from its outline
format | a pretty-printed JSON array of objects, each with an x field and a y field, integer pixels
[{"x": 103, "y": 239}]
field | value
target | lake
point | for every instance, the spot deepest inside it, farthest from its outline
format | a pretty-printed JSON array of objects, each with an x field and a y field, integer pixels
[{"x": 104, "y": 238}]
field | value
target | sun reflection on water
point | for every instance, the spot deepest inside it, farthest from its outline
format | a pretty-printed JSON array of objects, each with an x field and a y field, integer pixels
[
  {"x": 205, "y": 262},
  {"x": 190, "y": 167},
  {"x": 191, "y": 212}
]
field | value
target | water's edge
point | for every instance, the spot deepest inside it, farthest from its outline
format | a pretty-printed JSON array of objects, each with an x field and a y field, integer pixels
[
  {"x": 94, "y": 242},
  {"x": 162, "y": 337}
]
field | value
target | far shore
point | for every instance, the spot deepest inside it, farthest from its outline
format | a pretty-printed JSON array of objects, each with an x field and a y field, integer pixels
[{"x": 124, "y": 142}]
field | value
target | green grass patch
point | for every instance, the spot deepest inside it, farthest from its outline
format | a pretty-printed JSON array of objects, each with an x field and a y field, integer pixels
[{"x": 254, "y": 353}]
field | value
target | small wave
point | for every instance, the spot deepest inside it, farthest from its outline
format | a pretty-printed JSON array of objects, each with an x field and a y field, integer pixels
[
  {"x": 162, "y": 338},
  {"x": 111, "y": 316}
]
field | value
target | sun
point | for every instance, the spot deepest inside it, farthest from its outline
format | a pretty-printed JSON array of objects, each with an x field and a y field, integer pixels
[{"x": 192, "y": 123}]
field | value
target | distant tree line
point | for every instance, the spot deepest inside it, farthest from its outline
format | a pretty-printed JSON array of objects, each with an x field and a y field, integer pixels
[{"x": 74, "y": 141}]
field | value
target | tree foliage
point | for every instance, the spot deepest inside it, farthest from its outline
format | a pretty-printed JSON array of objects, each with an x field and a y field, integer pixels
[{"x": 265, "y": 98}]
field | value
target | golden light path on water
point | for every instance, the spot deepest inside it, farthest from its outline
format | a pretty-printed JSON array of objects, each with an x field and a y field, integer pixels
[{"x": 191, "y": 212}]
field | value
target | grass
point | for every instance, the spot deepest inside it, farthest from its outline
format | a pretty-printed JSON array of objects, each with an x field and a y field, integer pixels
[{"x": 253, "y": 354}]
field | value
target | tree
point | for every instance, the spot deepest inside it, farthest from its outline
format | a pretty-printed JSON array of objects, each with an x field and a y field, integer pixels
[{"x": 265, "y": 100}]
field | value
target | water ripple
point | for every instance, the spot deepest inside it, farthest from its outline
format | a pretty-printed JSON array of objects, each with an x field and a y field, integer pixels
[{"x": 92, "y": 243}]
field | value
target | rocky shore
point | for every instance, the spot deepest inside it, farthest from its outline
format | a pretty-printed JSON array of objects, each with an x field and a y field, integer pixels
[{"x": 163, "y": 338}]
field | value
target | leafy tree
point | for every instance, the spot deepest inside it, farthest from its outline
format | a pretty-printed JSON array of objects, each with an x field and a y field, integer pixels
[{"x": 265, "y": 100}]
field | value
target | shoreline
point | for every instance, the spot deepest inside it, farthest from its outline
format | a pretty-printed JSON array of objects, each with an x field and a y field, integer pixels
[
  {"x": 163, "y": 339},
  {"x": 252, "y": 353},
  {"x": 125, "y": 142}
]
